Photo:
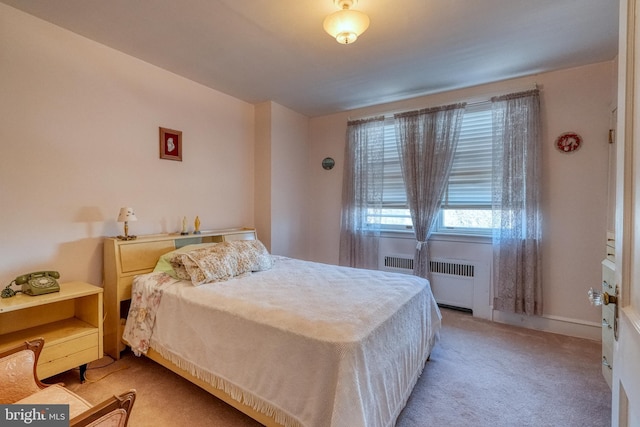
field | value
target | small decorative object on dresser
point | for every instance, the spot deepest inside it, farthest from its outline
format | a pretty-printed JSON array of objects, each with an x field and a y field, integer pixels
[
  {"x": 170, "y": 144},
  {"x": 184, "y": 231}
]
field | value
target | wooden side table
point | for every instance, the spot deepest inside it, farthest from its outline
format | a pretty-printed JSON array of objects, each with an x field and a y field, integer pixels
[{"x": 70, "y": 321}]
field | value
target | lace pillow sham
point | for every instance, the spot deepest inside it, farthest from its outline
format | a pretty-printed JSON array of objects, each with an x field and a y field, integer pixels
[{"x": 221, "y": 261}]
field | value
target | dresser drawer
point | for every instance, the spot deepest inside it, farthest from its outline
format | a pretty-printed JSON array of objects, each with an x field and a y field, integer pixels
[
  {"x": 52, "y": 352},
  {"x": 66, "y": 362},
  {"x": 62, "y": 356}
]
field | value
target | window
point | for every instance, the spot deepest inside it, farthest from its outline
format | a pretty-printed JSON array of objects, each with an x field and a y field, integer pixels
[{"x": 466, "y": 204}]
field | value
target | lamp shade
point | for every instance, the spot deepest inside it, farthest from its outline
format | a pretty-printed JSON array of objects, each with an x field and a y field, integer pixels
[
  {"x": 126, "y": 214},
  {"x": 346, "y": 25}
]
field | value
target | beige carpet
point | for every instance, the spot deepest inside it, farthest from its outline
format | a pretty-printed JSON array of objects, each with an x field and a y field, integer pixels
[{"x": 480, "y": 374}]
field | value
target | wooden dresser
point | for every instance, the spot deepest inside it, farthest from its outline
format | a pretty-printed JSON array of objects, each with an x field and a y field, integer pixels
[
  {"x": 141, "y": 257},
  {"x": 70, "y": 321}
]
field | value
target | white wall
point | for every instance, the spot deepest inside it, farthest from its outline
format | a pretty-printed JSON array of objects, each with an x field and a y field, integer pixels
[
  {"x": 574, "y": 187},
  {"x": 79, "y": 131}
]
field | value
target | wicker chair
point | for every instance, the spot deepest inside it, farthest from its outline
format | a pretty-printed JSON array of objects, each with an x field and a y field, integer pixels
[{"x": 19, "y": 384}]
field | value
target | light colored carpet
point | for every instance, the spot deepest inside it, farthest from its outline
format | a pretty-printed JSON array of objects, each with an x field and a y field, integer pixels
[{"x": 480, "y": 374}]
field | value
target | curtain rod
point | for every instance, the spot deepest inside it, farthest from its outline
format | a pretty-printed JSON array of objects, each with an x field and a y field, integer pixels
[{"x": 471, "y": 101}]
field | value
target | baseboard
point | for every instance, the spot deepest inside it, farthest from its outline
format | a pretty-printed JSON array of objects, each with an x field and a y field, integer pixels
[
  {"x": 554, "y": 324},
  {"x": 453, "y": 307}
]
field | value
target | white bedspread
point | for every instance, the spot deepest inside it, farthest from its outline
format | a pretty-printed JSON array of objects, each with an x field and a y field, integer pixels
[{"x": 307, "y": 343}]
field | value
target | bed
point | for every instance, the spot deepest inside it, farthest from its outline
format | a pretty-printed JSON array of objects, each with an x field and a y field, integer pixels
[{"x": 296, "y": 344}]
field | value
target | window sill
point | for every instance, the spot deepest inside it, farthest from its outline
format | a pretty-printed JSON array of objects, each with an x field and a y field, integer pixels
[
  {"x": 443, "y": 237},
  {"x": 467, "y": 238}
]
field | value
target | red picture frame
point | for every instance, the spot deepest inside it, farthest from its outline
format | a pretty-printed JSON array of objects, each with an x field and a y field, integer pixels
[{"x": 170, "y": 144}]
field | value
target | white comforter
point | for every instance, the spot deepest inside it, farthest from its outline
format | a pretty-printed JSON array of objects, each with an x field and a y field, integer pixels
[{"x": 309, "y": 344}]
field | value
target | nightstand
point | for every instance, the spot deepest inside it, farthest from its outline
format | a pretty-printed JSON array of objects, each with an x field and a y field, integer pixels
[{"x": 70, "y": 321}]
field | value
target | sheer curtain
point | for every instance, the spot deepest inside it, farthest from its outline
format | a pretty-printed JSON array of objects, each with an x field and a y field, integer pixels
[
  {"x": 517, "y": 218},
  {"x": 362, "y": 193},
  {"x": 427, "y": 141}
]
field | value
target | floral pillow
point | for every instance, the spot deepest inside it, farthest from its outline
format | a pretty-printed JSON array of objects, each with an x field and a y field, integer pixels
[
  {"x": 221, "y": 261},
  {"x": 164, "y": 262}
]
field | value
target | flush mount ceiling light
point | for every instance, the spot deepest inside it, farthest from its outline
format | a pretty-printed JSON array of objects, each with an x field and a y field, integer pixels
[{"x": 346, "y": 24}]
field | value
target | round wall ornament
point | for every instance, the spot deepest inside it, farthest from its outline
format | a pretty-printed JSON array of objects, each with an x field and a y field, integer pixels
[
  {"x": 328, "y": 163},
  {"x": 568, "y": 142}
]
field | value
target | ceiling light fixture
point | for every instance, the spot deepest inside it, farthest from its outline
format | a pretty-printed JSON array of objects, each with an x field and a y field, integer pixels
[{"x": 346, "y": 24}]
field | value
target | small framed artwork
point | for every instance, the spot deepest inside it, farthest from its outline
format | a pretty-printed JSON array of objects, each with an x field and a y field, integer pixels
[{"x": 170, "y": 144}]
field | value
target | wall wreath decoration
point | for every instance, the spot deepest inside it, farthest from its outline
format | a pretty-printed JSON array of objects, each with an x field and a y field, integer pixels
[{"x": 568, "y": 142}]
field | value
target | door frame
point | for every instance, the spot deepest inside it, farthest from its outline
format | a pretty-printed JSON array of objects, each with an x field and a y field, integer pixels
[{"x": 626, "y": 372}]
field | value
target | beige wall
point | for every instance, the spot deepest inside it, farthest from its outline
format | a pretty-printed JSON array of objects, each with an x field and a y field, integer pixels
[
  {"x": 79, "y": 137},
  {"x": 289, "y": 182},
  {"x": 263, "y": 187},
  {"x": 574, "y": 185},
  {"x": 281, "y": 179}
]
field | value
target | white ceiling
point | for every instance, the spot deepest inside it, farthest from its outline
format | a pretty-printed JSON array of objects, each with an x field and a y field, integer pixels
[{"x": 259, "y": 50}]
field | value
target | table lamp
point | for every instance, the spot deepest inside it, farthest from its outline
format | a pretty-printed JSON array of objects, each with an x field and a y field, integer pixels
[{"x": 126, "y": 215}]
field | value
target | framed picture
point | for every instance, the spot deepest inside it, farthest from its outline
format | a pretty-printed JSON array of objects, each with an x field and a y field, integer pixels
[{"x": 170, "y": 144}]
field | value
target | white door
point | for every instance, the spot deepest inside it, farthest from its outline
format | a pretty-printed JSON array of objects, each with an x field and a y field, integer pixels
[{"x": 626, "y": 362}]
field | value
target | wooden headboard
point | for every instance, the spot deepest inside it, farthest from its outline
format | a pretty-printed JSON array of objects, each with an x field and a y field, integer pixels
[{"x": 125, "y": 259}]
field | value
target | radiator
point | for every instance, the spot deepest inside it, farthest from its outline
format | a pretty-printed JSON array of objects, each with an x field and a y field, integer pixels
[
  {"x": 398, "y": 263},
  {"x": 452, "y": 280}
]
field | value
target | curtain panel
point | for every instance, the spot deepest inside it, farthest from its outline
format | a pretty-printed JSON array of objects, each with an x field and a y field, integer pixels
[
  {"x": 362, "y": 193},
  {"x": 517, "y": 220},
  {"x": 427, "y": 141}
]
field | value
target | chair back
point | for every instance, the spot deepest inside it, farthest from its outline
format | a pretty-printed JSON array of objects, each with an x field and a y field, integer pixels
[
  {"x": 18, "y": 375},
  {"x": 113, "y": 412}
]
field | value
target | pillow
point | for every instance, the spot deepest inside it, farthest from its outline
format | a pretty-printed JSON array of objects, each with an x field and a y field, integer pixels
[
  {"x": 164, "y": 262},
  {"x": 222, "y": 261}
]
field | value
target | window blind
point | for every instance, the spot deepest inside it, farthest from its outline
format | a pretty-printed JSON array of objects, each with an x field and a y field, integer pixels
[
  {"x": 394, "y": 194},
  {"x": 470, "y": 179},
  {"x": 468, "y": 191}
]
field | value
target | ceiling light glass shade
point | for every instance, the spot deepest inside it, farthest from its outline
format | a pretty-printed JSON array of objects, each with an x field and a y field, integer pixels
[{"x": 346, "y": 25}]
